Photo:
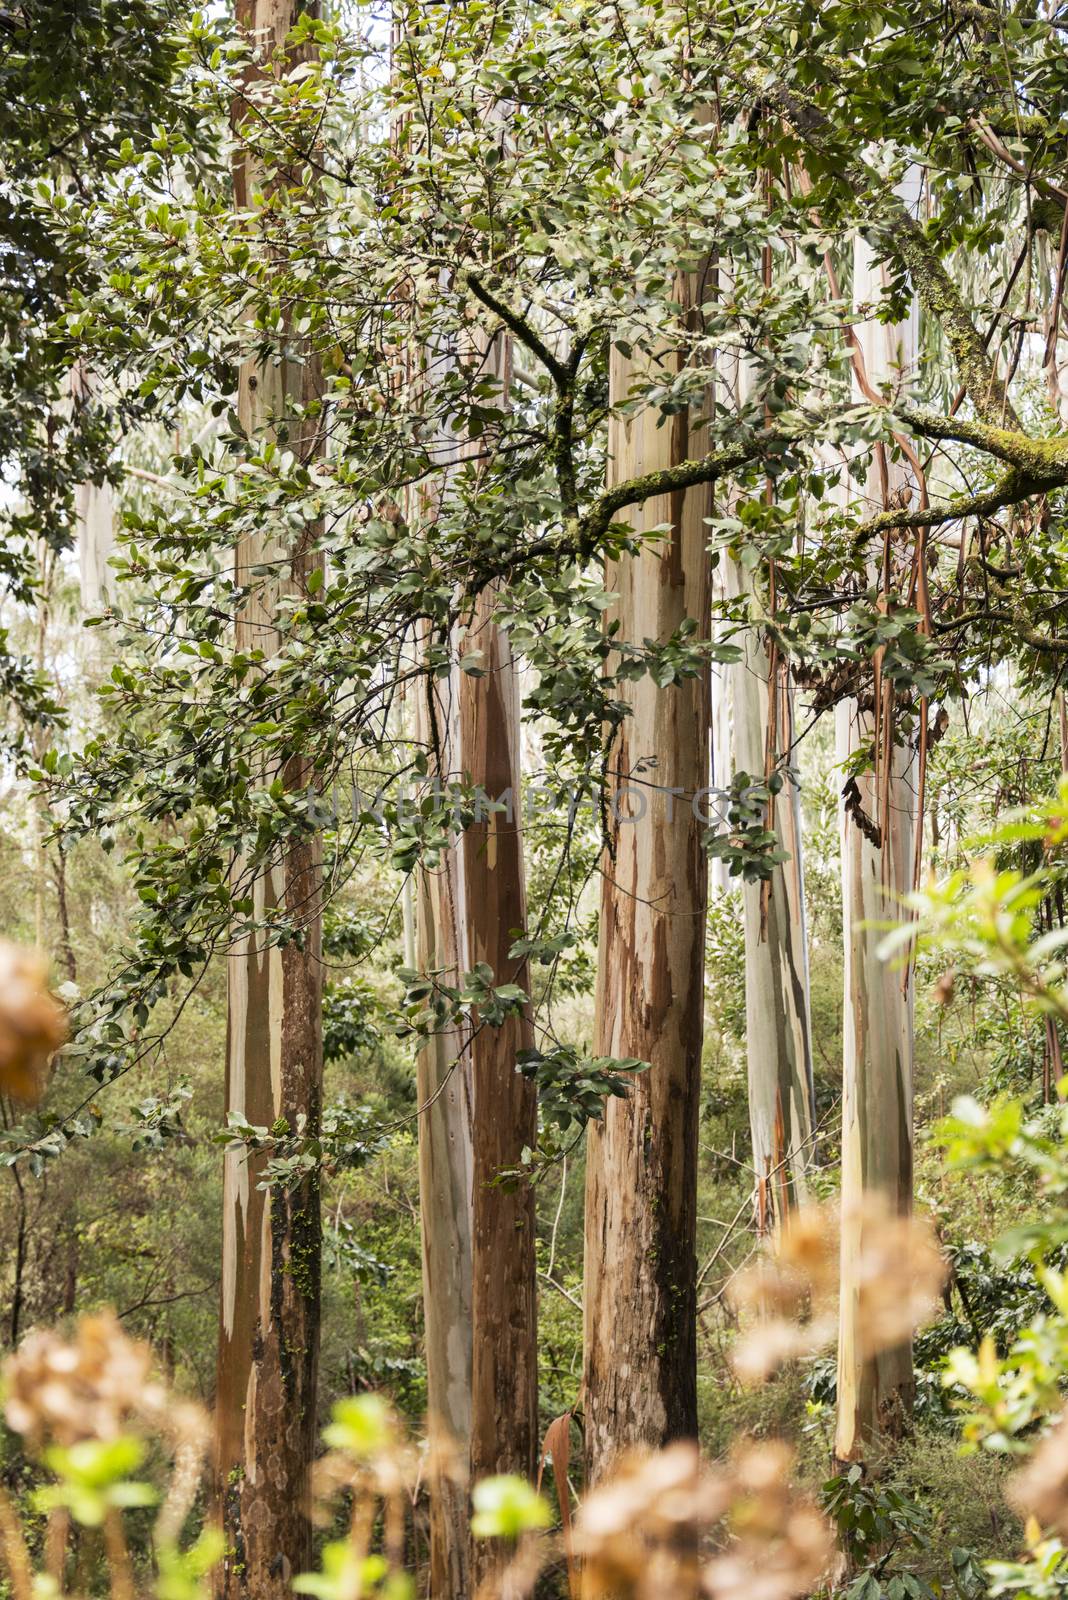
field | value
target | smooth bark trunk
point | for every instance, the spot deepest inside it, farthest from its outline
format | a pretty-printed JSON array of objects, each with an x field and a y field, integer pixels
[
  {"x": 641, "y": 1187},
  {"x": 875, "y": 1388},
  {"x": 478, "y": 1235},
  {"x": 504, "y": 1408},
  {"x": 778, "y": 1027},
  {"x": 95, "y": 510},
  {"x": 266, "y": 1424},
  {"x": 444, "y": 1089}
]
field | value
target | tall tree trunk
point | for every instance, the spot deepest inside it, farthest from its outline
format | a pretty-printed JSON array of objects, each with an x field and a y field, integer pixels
[
  {"x": 18, "y": 1281},
  {"x": 269, "y": 1321},
  {"x": 66, "y": 943},
  {"x": 39, "y": 740},
  {"x": 444, "y": 1088},
  {"x": 504, "y": 1306},
  {"x": 753, "y": 705},
  {"x": 641, "y": 1185},
  {"x": 478, "y": 1236},
  {"x": 875, "y": 1388},
  {"x": 94, "y": 510},
  {"x": 778, "y": 1027},
  {"x": 436, "y": 934}
]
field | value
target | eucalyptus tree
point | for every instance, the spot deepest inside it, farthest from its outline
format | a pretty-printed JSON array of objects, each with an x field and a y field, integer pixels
[
  {"x": 755, "y": 701},
  {"x": 572, "y": 237},
  {"x": 480, "y": 1114},
  {"x": 443, "y": 1087},
  {"x": 640, "y": 1305},
  {"x": 777, "y": 1002},
  {"x": 265, "y": 1394},
  {"x": 878, "y": 818}
]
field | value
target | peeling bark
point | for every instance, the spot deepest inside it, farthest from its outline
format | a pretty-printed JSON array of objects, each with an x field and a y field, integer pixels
[
  {"x": 504, "y": 1408},
  {"x": 875, "y": 1391},
  {"x": 778, "y": 1024},
  {"x": 443, "y": 1086},
  {"x": 270, "y": 1305},
  {"x": 640, "y": 1265},
  {"x": 478, "y": 1237}
]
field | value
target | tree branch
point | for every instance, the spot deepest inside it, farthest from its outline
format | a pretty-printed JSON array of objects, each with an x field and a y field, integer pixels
[
  {"x": 905, "y": 239},
  {"x": 1009, "y": 490},
  {"x": 1045, "y": 459},
  {"x": 521, "y": 329},
  {"x": 669, "y": 480}
]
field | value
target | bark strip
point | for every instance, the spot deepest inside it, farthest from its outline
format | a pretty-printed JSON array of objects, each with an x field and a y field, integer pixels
[{"x": 641, "y": 1186}]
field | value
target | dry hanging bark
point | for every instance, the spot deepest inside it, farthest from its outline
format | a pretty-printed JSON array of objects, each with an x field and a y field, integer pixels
[
  {"x": 641, "y": 1185},
  {"x": 753, "y": 712},
  {"x": 875, "y": 1388},
  {"x": 269, "y": 1321}
]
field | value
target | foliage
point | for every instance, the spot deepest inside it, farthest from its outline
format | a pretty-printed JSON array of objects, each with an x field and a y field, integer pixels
[
  {"x": 541, "y": 173},
  {"x": 877, "y": 1527}
]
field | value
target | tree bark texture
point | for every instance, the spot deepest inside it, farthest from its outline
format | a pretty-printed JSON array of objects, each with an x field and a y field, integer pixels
[
  {"x": 445, "y": 1092},
  {"x": 504, "y": 1410},
  {"x": 478, "y": 1236},
  {"x": 266, "y": 1423},
  {"x": 875, "y": 1389},
  {"x": 778, "y": 1025},
  {"x": 641, "y": 1187}
]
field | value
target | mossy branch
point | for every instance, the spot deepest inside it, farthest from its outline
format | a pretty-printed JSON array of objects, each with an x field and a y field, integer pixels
[
  {"x": 903, "y": 237},
  {"x": 1042, "y": 459},
  {"x": 1009, "y": 490},
  {"x": 521, "y": 330},
  {"x": 671, "y": 480},
  {"x": 941, "y": 299}
]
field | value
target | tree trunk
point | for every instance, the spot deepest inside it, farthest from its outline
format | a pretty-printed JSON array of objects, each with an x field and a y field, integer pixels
[
  {"x": 641, "y": 1186},
  {"x": 94, "y": 511},
  {"x": 478, "y": 1237},
  {"x": 504, "y": 1410},
  {"x": 269, "y": 1324},
  {"x": 444, "y": 1088},
  {"x": 18, "y": 1283},
  {"x": 875, "y": 1389},
  {"x": 778, "y": 1028},
  {"x": 66, "y": 944}
]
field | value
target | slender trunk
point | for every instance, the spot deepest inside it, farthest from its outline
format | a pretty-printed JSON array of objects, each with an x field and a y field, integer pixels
[
  {"x": 66, "y": 944},
  {"x": 444, "y": 1088},
  {"x": 436, "y": 935},
  {"x": 875, "y": 1388},
  {"x": 269, "y": 1322},
  {"x": 39, "y": 740},
  {"x": 478, "y": 1236},
  {"x": 778, "y": 1029},
  {"x": 504, "y": 1303},
  {"x": 70, "y": 1274},
  {"x": 17, "y": 1287},
  {"x": 722, "y": 765},
  {"x": 94, "y": 513},
  {"x": 641, "y": 1186}
]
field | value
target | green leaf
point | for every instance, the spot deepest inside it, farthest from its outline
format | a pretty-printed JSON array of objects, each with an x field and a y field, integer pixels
[{"x": 506, "y": 1507}]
